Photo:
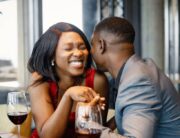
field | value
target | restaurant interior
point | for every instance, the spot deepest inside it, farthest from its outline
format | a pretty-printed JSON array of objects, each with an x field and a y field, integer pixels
[{"x": 156, "y": 22}]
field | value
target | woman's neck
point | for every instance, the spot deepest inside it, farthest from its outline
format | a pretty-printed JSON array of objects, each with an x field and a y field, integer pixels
[{"x": 66, "y": 82}]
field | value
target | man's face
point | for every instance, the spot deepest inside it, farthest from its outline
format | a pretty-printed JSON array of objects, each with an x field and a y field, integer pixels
[{"x": 95, "y": 50}]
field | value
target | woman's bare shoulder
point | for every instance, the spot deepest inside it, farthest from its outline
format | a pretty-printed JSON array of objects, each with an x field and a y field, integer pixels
[
  {"x": 101, "y": 82},
  {"x": 35, "y": 87},
  {"x": 35, "y": 76},
  {"x": 100, "y": 77}
]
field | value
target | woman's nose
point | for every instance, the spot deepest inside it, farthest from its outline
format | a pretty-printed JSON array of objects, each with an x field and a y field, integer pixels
[{"x": 77, "y": 52}]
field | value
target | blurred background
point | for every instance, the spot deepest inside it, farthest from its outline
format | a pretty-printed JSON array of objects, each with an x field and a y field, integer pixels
[{"x": 22, "y": 22}]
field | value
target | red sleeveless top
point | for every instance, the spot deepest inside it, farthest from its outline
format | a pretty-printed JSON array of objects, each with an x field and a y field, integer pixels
[{"x": 70, "y": 132}]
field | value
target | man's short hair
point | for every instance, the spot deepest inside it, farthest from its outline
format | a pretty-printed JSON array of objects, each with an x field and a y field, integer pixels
[{"x": 119, "y": 27}]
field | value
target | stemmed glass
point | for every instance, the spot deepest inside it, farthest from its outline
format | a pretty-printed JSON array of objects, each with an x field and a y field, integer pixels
[
  {"x": 17, "y": 108},
  {"x": 88, "y": 118}
]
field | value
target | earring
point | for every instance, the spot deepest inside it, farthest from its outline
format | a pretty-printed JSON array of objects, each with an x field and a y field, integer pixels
[{"x": 52, "y": 63}]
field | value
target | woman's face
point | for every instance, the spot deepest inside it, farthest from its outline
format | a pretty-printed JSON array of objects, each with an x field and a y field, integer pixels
[{"x": 71, "y": 54}]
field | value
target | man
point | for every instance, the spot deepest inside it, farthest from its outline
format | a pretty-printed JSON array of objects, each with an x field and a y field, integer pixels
[{"x": 147, "y": 104}]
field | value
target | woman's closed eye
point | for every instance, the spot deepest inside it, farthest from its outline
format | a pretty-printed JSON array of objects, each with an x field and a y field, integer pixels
[
  {"x": 82, "y": 47},
  {"x": 68, "y": 47}
]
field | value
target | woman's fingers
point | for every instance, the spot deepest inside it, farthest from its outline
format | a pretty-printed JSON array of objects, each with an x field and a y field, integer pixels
[
  {"x": 92, "y": 93},
  {"x": 98, "y": 101},
  {"x": 86, "y": 94},
  {"x": 81, "y": 99},
  {"x": 102, "y": 99},
  {"x": 102, "y": 106},
  {"x": 95, "y": 100}
]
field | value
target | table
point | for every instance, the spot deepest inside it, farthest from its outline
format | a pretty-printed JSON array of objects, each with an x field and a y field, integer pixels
[{"x": 9, "y": 135}]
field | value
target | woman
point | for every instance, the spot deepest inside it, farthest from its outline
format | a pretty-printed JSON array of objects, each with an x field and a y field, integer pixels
[{"x": 62, "y": 75}]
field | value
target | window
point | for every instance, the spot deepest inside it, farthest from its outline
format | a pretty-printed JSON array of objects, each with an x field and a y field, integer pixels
[
  {"x": 172, "y": 44},
  {"x": 8, "y": 43},
  {"x": 21, "y": 25},
  {"x": 62, "y": 11}
]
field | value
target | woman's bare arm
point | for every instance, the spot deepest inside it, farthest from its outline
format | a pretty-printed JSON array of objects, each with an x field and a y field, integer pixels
[{"x": 50, "y": 122}]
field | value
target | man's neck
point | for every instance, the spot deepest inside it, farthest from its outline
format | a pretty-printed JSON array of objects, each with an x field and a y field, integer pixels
[
  {"x": 116, "y": 64},
  {"x": 117, "y": 55}
]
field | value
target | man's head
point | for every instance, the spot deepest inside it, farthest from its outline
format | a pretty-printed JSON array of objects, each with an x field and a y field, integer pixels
[{"x": 112, "y": 36}]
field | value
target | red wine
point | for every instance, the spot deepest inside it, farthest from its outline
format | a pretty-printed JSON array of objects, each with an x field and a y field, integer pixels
[
  {"x": 17, "y": 117},
  {"x": 96, "y": 134},
  {"x": 78, "y": 135}
]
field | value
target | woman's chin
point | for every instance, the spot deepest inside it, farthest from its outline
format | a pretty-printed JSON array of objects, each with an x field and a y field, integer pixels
[{"x": 77, "y": 72}]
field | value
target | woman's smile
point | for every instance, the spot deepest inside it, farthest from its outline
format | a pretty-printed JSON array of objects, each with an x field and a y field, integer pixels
[{"x": 77, "y": 63}]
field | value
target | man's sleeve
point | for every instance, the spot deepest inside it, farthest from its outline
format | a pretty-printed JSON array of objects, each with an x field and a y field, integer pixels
[
  {"x": 138, "y": 107},
  {"x": 107, "y": 133}
]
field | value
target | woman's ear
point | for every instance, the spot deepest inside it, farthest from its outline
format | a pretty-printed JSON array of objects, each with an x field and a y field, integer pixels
[{"x": 102, "y": 46}]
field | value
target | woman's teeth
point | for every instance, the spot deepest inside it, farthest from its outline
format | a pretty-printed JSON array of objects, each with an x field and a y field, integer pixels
[{"x": 76, "y": 63}]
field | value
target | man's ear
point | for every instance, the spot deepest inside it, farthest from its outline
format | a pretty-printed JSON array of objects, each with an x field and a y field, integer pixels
[{"x": 102, "y": 46}]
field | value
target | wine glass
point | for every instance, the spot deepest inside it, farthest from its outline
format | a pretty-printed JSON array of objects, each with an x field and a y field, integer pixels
[
  {"x": 17, "y": 108},
  {"x": 88, "y": 119}
]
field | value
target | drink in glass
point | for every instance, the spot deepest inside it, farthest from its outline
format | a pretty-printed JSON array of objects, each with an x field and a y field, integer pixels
[
  {"x": 88, "y": 117},
  {"x": 17, "y": 108}
]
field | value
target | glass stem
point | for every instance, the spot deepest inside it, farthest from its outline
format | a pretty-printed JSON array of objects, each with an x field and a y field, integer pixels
[{"x": 19, "y": 129}]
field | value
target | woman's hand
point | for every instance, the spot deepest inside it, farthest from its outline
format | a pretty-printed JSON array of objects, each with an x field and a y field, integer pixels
[
  {"x": 81, "y": 93},
  {"x": 98, "y": 101},
  {"x": 85, "y": 94}
]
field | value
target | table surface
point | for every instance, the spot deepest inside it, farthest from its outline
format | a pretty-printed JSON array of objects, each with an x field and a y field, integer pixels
[{"x": 9, "y": 135}]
